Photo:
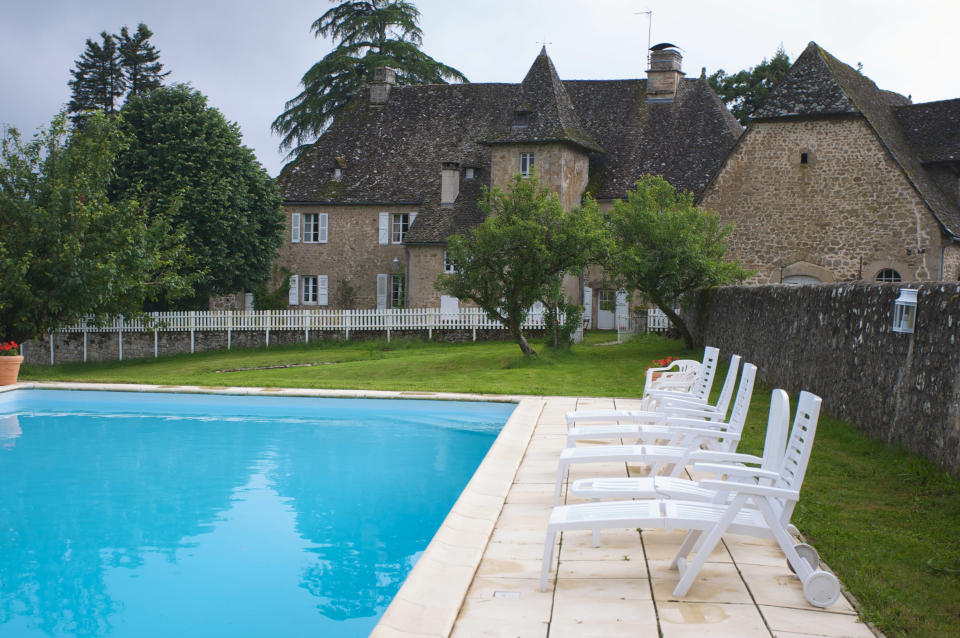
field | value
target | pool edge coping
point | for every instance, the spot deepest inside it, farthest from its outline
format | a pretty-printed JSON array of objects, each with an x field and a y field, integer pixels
[{"x": 429, "y": 601}]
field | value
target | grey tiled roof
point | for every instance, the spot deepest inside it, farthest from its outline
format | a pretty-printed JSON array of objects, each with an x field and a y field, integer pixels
[
  {"x": 392, "y": 154},
  {"x": 933, "y": 129},
  {"x": 819, "y": 84}
]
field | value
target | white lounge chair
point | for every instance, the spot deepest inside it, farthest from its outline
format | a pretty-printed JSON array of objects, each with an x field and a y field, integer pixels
[
  {"x": 679, "y": 375},
  {"x": 668, "y": 408},
  {"x": 652, "y": 487},
  {"x": 696, "y": 434},
  {"x": 643, "y": 425},
  {"x": 746, "y": 504}
]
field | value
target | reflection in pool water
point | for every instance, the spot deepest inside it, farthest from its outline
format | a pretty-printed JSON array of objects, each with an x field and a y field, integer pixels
[{"x": 265, "y": 521}]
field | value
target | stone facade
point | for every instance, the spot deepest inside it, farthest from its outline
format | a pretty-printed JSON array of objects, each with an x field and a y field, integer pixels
[
  {"x": 561, "y": 167},
  {"x": 351, "y": 253},
  {"x": 836, "y": 341},
  {"x": 847, "y": 213}
]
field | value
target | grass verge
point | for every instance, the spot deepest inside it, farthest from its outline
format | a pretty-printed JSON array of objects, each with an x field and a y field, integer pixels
[{"x": 886, "y": 520}]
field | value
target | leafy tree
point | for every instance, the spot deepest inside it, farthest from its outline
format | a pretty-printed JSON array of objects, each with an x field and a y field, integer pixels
[
  {"x": 520, "y": 252},
  {"x": 185, "y": 151},
  {"x": 140, "y": 60},
  {"x": 119, "y": 65},
  {"x": 744, "y": 91},
  {"x": 368, "y": 34},
  {"x": 665, "y": 247},
  {"x": 67, "y": 250},
  {"x": 98, "y": 82}
]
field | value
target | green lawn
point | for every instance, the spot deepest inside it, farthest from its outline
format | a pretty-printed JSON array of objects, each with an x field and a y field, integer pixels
[{"x": 888, "y": 522}]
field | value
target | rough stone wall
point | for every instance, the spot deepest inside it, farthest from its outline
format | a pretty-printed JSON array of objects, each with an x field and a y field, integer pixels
[
  {"x": 951, "y": 262},
  {"x": 848, "y": 202},
  {"x": 836, "y": 340},
  {"x": 426, "y": 263},
  {"x": 103, "y": 346},
  {"x": 352, "y": 251},
  {"x": 565, "y": 169}
]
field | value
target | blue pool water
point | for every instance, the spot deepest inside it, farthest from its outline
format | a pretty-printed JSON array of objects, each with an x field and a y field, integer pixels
[{"x": 139, "y": 515}]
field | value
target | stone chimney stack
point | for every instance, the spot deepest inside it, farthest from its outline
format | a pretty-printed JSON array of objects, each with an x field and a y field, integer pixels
[
  {"x": 663, "y": 76},
  {"x": 449, "y": 183},
  {"x": 383, "y": 79}
]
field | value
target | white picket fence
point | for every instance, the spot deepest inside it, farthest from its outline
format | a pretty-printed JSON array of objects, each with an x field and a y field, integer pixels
[
  {"x": 630, "y": 325},
  {"x": 311, "y": 320}
]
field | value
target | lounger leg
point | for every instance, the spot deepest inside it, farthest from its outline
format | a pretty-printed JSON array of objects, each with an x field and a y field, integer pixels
[
  {"x": 693, "y": 568},
  {"x": 562, "y": 470},
  {"x": 686, "y": 547},
  {"x": 547, "y": 558}
]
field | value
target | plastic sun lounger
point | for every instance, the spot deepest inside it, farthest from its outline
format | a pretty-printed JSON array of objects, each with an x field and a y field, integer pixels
[
  {"x": 653, "y": 487},
  {"x": 650, "y": 419},
  {"x": 695, "y": 433},
  {"x": 667, "y": 400},
  {"x": 753, "y": 502},
  {"x": 679, "y": 375}
]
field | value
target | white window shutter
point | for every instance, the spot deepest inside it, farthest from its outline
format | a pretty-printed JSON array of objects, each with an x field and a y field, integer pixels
[
  {"x": 384, "y": 228},
  {"x": 295, "y": 228},
  {"x": 322, "y": 284},
  {"x": 294, "y": 296},
  {"x": 382, "y": 291},
  {"x": 323, "y": 228}
]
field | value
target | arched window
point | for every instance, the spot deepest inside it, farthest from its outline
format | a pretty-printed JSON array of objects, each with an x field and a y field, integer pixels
[{"x": 889, "y": 275}]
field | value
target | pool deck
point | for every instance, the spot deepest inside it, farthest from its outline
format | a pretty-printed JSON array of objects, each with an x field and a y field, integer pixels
[{"x": 479, "y": 575}]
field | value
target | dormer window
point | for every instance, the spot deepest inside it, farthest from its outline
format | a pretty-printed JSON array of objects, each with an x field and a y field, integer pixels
[
  {"x": 468, "y": 173},
  {"x": 337, "y": 174},
  {"x": 521, "y": 119}
]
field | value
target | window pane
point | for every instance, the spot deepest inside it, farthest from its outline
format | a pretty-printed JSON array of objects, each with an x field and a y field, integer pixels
[
  {"x": 889, "y": 275},
  {"x": 396, "y": 291},
  {"x": 401, "y": 222}
]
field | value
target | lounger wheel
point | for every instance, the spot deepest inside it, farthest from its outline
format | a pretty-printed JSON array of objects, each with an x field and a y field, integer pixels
[
  {"x": 808, "y": 553},
  {"x": 821, "y": 588}
]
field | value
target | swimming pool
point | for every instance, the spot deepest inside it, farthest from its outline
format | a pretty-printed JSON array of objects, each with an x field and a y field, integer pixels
[{"x": 128, "y": 514}]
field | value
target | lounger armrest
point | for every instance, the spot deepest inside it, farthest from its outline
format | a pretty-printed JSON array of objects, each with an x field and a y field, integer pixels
[
  {"x": 608, "y": 416},
  {"x": 667, "y": 394},
  {"x": 740, "y": 471},
  {"x": 693, "y": 413},
  {"x": 750, "y": 488},
  {"x": 679, "y": 421},
  {"x": 716, "y": 456},
  {"x": 683, "y": 402},
  {"x": 705, "y": 433}
]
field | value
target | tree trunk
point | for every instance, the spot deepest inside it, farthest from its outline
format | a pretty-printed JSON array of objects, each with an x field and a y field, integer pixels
[
  {"x": 677, "y": 321},
  {"x": 521, "y": 340}
]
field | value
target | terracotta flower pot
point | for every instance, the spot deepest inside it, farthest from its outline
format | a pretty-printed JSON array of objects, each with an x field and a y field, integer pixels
[{"x": 9, "y": 369}]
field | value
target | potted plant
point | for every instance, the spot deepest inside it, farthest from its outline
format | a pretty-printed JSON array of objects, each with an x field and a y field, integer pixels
[{"x": 10, "y": 360}]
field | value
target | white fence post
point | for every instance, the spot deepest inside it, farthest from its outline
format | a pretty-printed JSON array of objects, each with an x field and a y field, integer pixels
[
  {"x": 229, "y": 327},
  {"x": 193, "y": 329}
]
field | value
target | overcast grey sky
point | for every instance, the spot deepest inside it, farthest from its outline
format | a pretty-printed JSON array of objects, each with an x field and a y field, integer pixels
[{"x": 248, "y": 56}]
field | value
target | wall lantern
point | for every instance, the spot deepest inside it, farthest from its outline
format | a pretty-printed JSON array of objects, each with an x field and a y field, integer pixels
[
  {"x": 905, "y": 310},
  {"x": 396, "y": 268}
]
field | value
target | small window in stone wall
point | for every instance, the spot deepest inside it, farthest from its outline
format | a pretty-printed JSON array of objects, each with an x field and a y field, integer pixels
[
  {"x": 521, "y": 119},
  {"x": 889, "y": 275},
  {"x": 803, "y": 158}
]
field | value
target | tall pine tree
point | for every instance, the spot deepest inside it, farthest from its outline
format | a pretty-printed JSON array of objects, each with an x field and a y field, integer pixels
[
  {"x": 368, "y": 34},
  {"x": 120, "y": 65},
  {"x": 98, "y": 81},
  {"x": 140, "y": 61}
]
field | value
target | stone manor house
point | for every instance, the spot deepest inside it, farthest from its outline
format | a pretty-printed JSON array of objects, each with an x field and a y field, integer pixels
[{"x": 833, "y": 180}]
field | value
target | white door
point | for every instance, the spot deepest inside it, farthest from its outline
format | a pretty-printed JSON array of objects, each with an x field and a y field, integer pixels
[
  {"x": 449, "y": 308},
  {"x": 606, "y": 308},
  {"x": 587, "y": 307}
]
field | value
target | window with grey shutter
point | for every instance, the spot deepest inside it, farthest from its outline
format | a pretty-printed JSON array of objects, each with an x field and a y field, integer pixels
[
  {"x": 295, "y": 228},
  {"x": 294, "y": 296},
  {"x": 382, "y": 291},
  {"x": 384, "y": 229}
]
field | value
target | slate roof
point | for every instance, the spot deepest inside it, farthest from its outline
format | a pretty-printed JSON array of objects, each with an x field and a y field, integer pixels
[
  {"x": 392, "y": 154},
  {"x": 819, "y": 84},
  {"x": 933, "y": 129}
]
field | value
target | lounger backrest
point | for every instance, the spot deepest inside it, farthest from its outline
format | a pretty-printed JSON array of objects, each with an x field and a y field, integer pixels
[
  {"x": 726, "y": 392},
  {"x": 738, "y": 416},
  {"x": 778, "y": 425},
  {"x": 799, "y": 447},
  {"x": 707, "y": 370}
]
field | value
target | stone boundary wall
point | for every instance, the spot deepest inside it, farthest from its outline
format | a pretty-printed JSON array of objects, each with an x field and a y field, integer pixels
[
  {"x": 105, "y": 346},
  {"x": 836, "y": 340}
]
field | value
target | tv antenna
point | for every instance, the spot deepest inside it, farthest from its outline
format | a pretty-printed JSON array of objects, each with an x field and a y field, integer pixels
[{"x": 649, "y": 14}]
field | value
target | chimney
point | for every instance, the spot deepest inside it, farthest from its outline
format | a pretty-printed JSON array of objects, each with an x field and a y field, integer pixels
[
  {"x": 383, "y": 79},
  {"x": 449, "y": 183},
  {"x": 663, "y": 76}
]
